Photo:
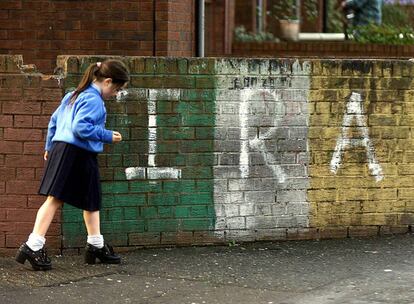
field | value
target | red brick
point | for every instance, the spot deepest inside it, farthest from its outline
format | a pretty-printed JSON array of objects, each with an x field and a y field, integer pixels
[
  {"x": 41, "y": 121},
  {"x": 2, "y": 187},
  {"x": 7, "y": 227},
  {"x": 80, "y": 35},
  {"x": 43, "y": 34},
  {"x": 23, "y": 121},
  {"x": 55, "y": 228},
  {"x": 54, "y": 241},
  {"x": 36, "y": 148},
  {"x": 23, "y": 228},
  {"x": 21, "y": 34},
  {"x": 4, "y": 14},
  {"x": 22, "y": 134},
  {"x": 51, "y": 83},
  {"x": 35, "y": 201},
  {"x": 13, "y": 201},
  {"x": 125, "y": 5},
  {"x": 22, "y": 187},
  {"x": 6, "y": 121},
  {"x": 25, "y": 174},
  {"x": 14, "y": 241},
  {"x": 11, "y": 147},
  {"x": 43, "y": 94},
  {"x": 39, "y": 174},
  {"x": 2, "y": 240},
  {"x": 7, "y": 174},
  {"x": 21, "y": 215},
  {"x": 66, "y": 44},
  {"x": 10, "y": 4},
  {"x": 24, "y": 161},
  {"x": 21, "y": 108},
  {"x": 49, "y": 107},
  {"x": 11, "y": 93}
]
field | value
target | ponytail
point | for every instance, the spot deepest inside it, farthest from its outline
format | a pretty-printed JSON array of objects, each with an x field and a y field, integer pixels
[{"x": 114, "y": 69}]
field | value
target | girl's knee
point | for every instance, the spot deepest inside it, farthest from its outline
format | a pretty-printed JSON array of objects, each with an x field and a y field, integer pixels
[{"x": 54, "y": 200}]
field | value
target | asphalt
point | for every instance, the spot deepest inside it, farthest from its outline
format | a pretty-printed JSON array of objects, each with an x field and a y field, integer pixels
[{"x": 357, "y": 271}]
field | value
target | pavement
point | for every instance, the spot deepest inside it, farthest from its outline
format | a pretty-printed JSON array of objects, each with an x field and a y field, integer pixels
[{"x": 353, "y": 270}]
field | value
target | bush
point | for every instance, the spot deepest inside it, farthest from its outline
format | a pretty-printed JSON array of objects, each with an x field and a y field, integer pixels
[
  {"x": 383, "y": 34},
  {"x": 241, "y": 35},
  {"x": 394, "y": 15}
]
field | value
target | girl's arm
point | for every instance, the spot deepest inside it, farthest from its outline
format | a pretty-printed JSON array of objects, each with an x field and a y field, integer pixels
[
  {"x": 51, "y": 128},
  {"x": 85, "y": 123}
]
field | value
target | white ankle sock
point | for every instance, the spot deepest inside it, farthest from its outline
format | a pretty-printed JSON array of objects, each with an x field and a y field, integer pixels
[
  {"x": 96, "y": 240},
  {"x": 35, "y": 241}
]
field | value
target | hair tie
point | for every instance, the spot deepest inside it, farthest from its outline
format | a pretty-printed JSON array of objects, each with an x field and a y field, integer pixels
[{"x": 98, "y": 64}]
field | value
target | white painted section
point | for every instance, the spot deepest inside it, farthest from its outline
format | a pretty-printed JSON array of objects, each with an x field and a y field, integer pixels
[
  {"x": 260, "y": 188},
  {"x": 355, "y": 111}
]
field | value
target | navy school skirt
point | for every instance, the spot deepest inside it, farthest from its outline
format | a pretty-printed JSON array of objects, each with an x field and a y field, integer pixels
[{"x": 72, "y": 175}]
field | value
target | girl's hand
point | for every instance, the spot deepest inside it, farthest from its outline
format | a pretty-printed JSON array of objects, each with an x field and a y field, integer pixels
[
  {"x": 45, "y": 155},
  {"x": 116, "y": 136}
]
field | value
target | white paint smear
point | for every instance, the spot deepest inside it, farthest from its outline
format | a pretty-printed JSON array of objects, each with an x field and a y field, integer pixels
[
  {"x": 151, "y": 172},
  {"x": 355, "y": 110}
]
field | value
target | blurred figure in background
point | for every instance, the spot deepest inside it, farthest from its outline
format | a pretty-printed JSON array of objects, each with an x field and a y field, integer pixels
[{"x": 362, "y": 12}]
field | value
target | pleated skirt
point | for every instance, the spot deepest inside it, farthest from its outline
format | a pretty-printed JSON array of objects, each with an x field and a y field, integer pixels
[{"x": 72, "y": 175}]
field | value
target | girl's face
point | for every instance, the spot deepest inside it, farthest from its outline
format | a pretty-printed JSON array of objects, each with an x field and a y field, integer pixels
[{"x": 109, "y": 89}]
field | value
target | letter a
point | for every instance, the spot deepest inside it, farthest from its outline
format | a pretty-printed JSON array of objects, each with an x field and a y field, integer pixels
[{"x": 354, "y": 110}]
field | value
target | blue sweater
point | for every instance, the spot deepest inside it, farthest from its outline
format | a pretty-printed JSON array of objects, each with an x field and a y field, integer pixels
[{"x": 82, "y": 123}]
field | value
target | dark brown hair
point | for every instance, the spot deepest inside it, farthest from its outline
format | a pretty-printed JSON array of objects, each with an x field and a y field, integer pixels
[{"x": 110, "y": 68}]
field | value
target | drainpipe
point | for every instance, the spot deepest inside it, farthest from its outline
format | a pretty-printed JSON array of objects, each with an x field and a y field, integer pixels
[
  {"x": 259, "y": 19},
  {"x": 200, "y": 28},
  {"x": 298, "y": 11}
]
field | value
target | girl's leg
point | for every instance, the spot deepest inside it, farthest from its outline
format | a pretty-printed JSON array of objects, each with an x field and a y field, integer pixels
[
  {"x": 92, "y": 224},
  {"x": 95, "y": 247},
  {"x": 45, "y": 215}
]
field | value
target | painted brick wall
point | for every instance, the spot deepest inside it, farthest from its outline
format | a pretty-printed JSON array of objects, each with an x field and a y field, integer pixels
[
  {"x": 218, "y": 150},
  {"x": 41, "y": 30}
]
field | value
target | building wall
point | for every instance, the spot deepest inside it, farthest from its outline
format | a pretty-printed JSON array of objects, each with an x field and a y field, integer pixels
[
  {"x": 220, "y": 150},
  {"x": 41, "y": 30}
]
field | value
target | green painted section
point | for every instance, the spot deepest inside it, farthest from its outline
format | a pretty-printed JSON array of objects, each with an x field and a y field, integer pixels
[{"x": 185, "y": 140}]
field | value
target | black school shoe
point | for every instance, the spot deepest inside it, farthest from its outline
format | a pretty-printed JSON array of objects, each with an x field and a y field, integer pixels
[
  {"x": 105, "y": 254},
  {"x": 38, "y": 259}
]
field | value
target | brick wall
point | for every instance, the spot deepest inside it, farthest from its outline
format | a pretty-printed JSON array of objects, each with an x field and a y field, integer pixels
[
  {"x": 41, "y": 30},
  {"x": 27, "y": 100},
  {"x": 219, "y": 150},
  {"x": 324, "y": 49}
]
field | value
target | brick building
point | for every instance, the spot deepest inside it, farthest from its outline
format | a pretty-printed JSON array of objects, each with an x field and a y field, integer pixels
[{"x": 41, "y": 30}]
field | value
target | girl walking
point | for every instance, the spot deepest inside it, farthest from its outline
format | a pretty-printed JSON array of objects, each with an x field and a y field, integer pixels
[{"x": 76, "y": 134}]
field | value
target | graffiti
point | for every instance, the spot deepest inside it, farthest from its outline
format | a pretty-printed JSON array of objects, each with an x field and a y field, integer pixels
[
  {"x": 257, "y": 143},
  {"x": 355, "y": 111},
  {"x": 153, "y": 172},
  {"x": 240, "y": 83}
]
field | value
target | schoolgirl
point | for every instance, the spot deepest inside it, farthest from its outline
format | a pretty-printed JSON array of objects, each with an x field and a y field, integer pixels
[{"x": 76, "y": 134}]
